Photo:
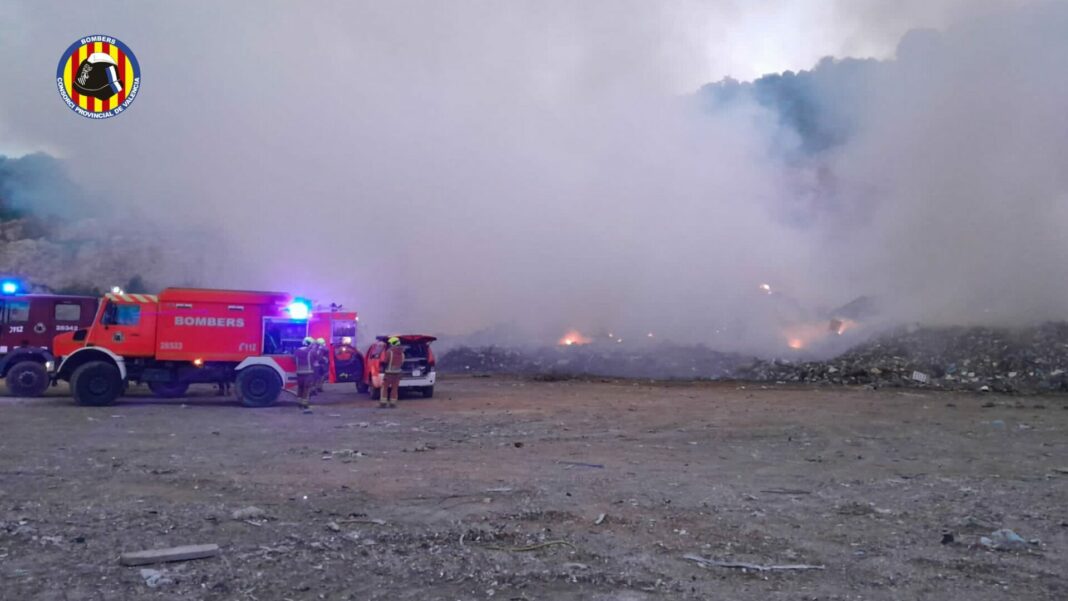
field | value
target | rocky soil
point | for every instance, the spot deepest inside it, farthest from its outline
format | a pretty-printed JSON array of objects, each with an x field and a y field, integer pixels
[{"x": 511, "y": 488}]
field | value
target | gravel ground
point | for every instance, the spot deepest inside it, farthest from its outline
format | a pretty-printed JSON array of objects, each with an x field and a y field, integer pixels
[{"x": 508, "y": 488}]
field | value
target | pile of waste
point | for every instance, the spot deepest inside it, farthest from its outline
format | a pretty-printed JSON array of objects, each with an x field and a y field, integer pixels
[
  {"x": 1025, "y": 360},
  {"x": 982, "y": 359},
  {"x": 662, "y": 361}
]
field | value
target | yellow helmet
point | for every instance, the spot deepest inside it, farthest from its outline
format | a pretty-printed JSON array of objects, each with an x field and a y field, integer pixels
[
  {"x": 394, "y": 341},
  {"x": 309, "y": 340},
  {"x": 321, "y": 341}
]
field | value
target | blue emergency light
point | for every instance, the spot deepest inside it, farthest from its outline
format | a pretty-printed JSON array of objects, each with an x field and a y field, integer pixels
[
  {"x": 9, "y": 287},
  {"x": 299, "y": 309}
]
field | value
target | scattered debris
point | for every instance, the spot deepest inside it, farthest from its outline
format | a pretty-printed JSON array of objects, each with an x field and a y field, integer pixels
[
  {"x": 600, "y": 519},
  {"x": 184, "y": 553},
  {"x": 1004, "y": 540},
  {"x": 551, "y": 543},
  {"x": 947, "y": 537},
  {"x": 154, "y": 578},
  {"x": 715, "y": 563},
  {"x": 786, "y": 491},
  {"x": 375, "y": 521},
  {"x": 920, "y": 377},
  {"x": 581, "y": 464}
]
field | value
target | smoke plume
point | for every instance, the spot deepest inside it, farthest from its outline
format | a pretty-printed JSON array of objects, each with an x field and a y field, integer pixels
[{"x": 523, "y": 169}]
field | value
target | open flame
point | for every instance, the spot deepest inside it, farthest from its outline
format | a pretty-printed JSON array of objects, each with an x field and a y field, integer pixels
[
  {"x": 801, "y": 336},
  {"x": 573, "y": 337}
]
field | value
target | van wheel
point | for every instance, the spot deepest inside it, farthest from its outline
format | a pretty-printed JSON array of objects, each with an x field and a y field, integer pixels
[
  {"x": 27, "y": 379},
  {"x": 258, "y": 386},
  {"x": 96, "y": 383},
  {"x": 168, "y": 390},
  {"x": 428, "y": 392}
]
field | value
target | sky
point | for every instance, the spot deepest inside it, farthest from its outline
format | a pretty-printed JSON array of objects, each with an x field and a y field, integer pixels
[{"x": 456, "y": 166}]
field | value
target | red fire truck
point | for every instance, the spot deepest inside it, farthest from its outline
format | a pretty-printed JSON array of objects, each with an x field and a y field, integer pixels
[
  {"x": 338, "y": 328},
  {"x": 185, "y": 336},
  {"x": 30, "y": 322}
]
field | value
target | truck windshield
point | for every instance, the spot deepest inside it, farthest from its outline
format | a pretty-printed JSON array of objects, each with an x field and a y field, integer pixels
[{"x": 121, "y": 315}]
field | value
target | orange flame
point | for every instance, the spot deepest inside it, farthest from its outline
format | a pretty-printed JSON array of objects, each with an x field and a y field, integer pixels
[{"x": 573, "y": 337}]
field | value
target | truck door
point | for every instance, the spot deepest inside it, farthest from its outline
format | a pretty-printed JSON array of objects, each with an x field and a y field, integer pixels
[
  {"x": 67, "y": 316},
  {"x": 282, "y": 336},
  {"x": 17, "y": 326},
  {"x": 128, "y": 327}
]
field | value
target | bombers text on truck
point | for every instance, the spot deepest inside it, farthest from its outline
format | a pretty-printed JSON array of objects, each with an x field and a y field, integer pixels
[{"x": 185, "y": 336}]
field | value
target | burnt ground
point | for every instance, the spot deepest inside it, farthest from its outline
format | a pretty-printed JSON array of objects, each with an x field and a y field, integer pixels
[{"x": 445, "y": 498}]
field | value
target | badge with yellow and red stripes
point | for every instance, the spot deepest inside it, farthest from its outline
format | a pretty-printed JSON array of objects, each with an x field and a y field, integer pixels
[{"x": 98, "y": 77}]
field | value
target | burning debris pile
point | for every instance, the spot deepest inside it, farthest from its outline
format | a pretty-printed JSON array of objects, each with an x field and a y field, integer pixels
[
  {"x": 981, "y": 359},
  {"x": 661, "y": 361},
  {"x": 960, "y": 358}
]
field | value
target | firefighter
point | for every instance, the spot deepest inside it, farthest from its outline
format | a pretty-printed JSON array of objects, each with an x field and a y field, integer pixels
[
  {"x": 322, "y": 364},
  {"x": 392, "y": 367},
  {"x": 305, "y": 357}
]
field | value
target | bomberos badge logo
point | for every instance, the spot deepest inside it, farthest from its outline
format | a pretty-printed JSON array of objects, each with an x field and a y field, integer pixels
[{"x": 98, "y": 77}]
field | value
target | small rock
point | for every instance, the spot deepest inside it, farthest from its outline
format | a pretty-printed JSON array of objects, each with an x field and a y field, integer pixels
[
  {"x": 333, "y": 527},
  {"x": 248, "y": 513}
]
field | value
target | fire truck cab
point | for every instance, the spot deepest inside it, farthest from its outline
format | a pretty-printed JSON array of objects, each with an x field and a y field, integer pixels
[
  {"x": 29, "y": 323},
  {"x": 338, "y": 328},
  {"x": 185, "y": 336}
]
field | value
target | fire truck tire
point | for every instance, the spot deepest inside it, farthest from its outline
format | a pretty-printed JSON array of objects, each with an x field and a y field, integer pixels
[
  {"x": 168, "y": 390},
  {"x": 258, "y": 386},
  {"x": 361, "y": 387},
  {"x": 428, "y": 392},
  {"x": 27, "y": 379},
  {"x": 96, "y": 383}
]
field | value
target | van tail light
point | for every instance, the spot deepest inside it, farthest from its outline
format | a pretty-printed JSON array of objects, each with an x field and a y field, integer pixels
[{"x": 430, "y": 361}]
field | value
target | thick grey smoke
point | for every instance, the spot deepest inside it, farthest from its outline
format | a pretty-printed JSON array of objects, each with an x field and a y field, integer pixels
[{"x": 453, "y": 167}]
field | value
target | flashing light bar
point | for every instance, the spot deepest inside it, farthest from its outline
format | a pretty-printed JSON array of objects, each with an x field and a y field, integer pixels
[
  {"x": 299, "y": 309},
  {"x": 9, "y": 287}
]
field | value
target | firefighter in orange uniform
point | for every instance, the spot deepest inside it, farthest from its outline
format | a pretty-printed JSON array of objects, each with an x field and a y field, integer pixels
[
  {"x": 392, "y": 367},
  {"x": 305, "y": 357}
]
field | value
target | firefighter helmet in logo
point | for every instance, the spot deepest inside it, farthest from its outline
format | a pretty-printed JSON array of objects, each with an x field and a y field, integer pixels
[{"x": 98, "y": 77}]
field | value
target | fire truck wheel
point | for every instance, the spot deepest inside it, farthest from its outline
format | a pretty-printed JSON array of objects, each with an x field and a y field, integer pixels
[
  {"x": 428, "y": 392},
  {"x": 361, "y": 387},
  {"x": 27, "y": 379},
  {"x": 168, "y": 390},
  {"x": 96, "y": 383},
  {"x": 258, "y": 386}
]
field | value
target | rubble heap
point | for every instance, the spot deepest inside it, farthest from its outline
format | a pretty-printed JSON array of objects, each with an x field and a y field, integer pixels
[
  {"x": 982, "y": 359},
  {"x": 662, "y": 361},
  {"x": 959, "y": 358}
]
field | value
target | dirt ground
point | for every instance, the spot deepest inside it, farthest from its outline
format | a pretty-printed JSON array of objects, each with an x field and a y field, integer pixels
[{"x": 508, "y": 488}]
